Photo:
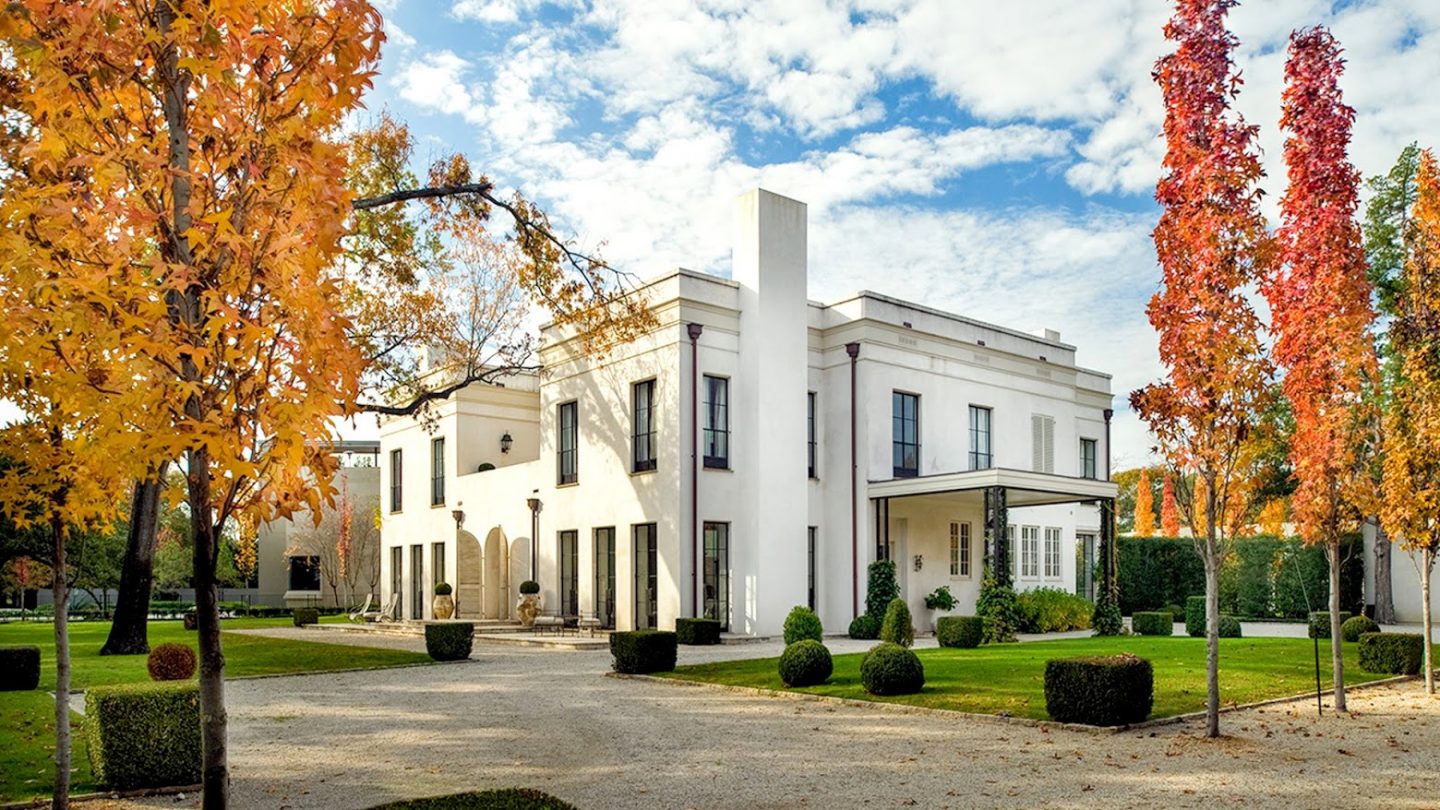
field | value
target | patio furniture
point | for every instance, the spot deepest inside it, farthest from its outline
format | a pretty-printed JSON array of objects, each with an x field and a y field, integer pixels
[
  {"x": 549, "y": 621},
  {"x": 358, "y": 615},
  {"x": 589, "y": 620},
  {"x": 389, "y": 613}
]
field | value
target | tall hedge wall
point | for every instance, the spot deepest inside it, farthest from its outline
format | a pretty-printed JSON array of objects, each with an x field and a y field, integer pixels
[{"x": 1264, "y": 577}]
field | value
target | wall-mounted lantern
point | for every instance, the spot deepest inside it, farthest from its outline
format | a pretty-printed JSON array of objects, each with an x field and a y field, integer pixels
[
  {"x": 506, "y": 442},
  {"x": 919, "y": 561}
]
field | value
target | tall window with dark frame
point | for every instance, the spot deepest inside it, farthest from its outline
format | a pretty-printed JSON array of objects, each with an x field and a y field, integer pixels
[
  {"x": 397, "y": 480},
  {"x": 643, "y": 420},
  {"x": 567, "y": 417},
  {"x": 716, "y": 437},
  {"x": 981, "y": 457},
  {"x": 906, "y": 434},
  {"x": 437, "y": 471},
  {"x": 569, "y": 572},
  {"x": 715, "y": 572},
  {"x": 605, "y": 575},
  {"x": 646, "y": 576},
  {"x": 810, "y": 590},
  {"x": 810, "y": 417},
  {"x": 1088, "y": 458}
]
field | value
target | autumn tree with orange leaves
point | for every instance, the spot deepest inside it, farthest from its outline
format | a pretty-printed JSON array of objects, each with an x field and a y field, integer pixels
[
  {"x": 1144, "y": 506},
  {"x": 1211, "y": 243},
  {"x": 1411, "y": 507},
  {"x": 1320, "y": 308},
  {"x": 1169, "y": 510}
]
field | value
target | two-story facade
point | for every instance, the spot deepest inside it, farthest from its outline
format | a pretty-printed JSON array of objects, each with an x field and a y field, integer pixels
[{"x": 755, "y": 451}]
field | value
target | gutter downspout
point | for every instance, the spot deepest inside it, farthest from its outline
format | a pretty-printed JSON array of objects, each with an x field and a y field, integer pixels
[
  {"x": 853, "y": 350},
  {"x": 694, "y": 330}
]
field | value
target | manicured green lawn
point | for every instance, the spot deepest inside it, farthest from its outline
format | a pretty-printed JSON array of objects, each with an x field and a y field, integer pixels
[
  {"x": 27, "y": 729},
  {"x": 1011, "y": 677}
]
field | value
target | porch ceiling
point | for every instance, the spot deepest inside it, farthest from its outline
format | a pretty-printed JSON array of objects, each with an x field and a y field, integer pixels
[{"x": 1022, "y": 487}]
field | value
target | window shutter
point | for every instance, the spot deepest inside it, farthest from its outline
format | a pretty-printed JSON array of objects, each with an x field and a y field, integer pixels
[
  {"x": 1042, "y": 443},
  {"x": 1049, "y": 445}
]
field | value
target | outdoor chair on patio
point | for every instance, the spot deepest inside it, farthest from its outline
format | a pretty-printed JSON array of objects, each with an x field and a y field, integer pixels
[
  {"x": 547, "y": 622},
  {"x": 389, "y": 613},
  {"x": 359, "y": 614},
  {"x": 589, "y": 620}
]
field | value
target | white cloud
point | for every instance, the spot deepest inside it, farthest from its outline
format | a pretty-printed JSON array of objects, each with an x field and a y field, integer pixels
[{"x": 434, "y": 82}]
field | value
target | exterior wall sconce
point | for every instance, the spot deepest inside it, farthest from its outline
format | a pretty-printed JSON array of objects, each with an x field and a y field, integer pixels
[
  {"x": 506, "y": 442},
  {"x": 459, "y": 515},
  {"x": 919, "y": 561}
]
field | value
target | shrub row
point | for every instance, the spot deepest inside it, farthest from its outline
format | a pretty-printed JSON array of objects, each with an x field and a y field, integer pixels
[
  {"x": 637, "y": 652},
  {"x": 1393, "y": 653},
  {"x": 1099, "y": 691},
  {"x": 19, "y": 668},
  {"x": 144, "y": 735},
  {"x": 959, "y": 631},
  {"x": 1195, "y": 620},
  {"x": 698, "y": 632},
  {"x": 1052, "y": 610},
  {"x": 1158, "y": 623},
  {"x": 805, "y": 663},
  {"x": 451, "y": 641}
]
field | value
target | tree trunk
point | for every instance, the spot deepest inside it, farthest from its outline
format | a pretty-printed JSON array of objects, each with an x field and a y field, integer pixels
[
  {"x": 60, "y": 588},
  {"x": 1212, "y": 638},
  {"x": 214, "y": 766},
  {"x": 1427, "y": 563},
  {"x": 129, "y": 632},
  {"x": 1384, "y": 591},
  {"x": 1337, "y": 654}
]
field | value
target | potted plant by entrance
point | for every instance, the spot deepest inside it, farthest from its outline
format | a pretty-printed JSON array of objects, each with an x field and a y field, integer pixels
[
  {"x": 530, "y": 605},
  {"x": 444, "y": 605},
  {"x": 940, "y": 599}
]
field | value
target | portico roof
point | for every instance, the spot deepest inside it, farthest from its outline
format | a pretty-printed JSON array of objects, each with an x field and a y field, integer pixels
[{"x": 1023, "y": 487}]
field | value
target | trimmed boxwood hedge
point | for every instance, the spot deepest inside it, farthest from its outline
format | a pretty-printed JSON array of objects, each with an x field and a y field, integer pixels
[
  {"x": 805, "y": 663},
  {"x": 144, "y": 735},
  {"x": 890, "y": 669},
  {"x": 1393, "y": 653},
  {"x": 1156, "y": 623},
  {"x": 802, "y": 623},
  {"x": 1320, "y": 623},
  {"x": 304, "y": 616},
  {"x": 451, "y": 641},
  {"x": 1356, "y": 626},
  {"x": 697, "y": 631},
  {"x": 1229, "y": 626},
  {"x": 1100, "y": 691},
  {"x": 505, "y": 799},
  {"x": 959, "y": 631},
  {"x": 638, "y": 652},
  {"x": 1195, "y": 616},
  {"x": 19, "y": 668}
]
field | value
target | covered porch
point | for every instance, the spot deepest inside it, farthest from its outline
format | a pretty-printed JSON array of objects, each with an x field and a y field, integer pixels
[{"x": 947, "y": 529}]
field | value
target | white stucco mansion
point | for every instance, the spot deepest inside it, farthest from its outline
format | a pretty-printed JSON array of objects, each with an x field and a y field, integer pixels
[{"x": 755, "y": 451}]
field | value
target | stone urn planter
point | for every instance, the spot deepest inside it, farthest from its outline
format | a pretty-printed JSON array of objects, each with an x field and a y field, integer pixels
[
  {"x": 444, "y": 605},
  {"x": 530, "y": 603}
]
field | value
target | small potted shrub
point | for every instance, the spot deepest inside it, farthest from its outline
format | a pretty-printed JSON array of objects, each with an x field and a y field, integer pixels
[
  {"x": 443, "y": 607},
  {"x": 530, "y": 603},
  {"x": 940, "y": 599}
]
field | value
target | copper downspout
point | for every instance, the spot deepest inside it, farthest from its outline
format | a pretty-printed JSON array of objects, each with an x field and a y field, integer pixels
[
  {"x": 853, "y": 350},
  {"x": 694, "y": 330}
]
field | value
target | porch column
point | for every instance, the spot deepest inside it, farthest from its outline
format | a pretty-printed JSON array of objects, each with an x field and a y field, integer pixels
[
  {"x": 1110, "y": 587},
  {"x": 997, "y": 545}
]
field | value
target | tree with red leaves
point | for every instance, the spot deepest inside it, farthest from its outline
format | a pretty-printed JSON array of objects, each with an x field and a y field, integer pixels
[
  {"x": 1212, "y": 243},
  {"x": 1320, "y": 305},
  {"x": 1169, "y": 510}
]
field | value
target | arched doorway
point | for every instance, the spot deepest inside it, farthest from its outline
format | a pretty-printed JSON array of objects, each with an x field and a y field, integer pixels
[
  {"x": 497, "y": 575},
  {"x": 467, "y": 575}
]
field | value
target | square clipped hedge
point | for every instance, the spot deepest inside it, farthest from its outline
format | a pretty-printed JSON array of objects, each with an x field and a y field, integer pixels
[
  {"x": 1393, "y": 653},
  {"x": 959, "y": 631},
  {"x": 304, "y": 616},
  {"x": 1099, "y": 691},
  {"x": 697, "y": 631},
  {"x": 1195, "y": 616},
  {"x": 19, "y": 668},
  {"x": 638, "y": 652},
  {"x": 1320, "y": 623},
  {"x": 1153, "y": 623},
  {"x": 451, "y": 641},
  {"x": 144, "y": 735}
]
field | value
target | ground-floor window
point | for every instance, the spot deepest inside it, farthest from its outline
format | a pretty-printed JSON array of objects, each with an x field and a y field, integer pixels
[
  {"x": 304, "y": 573},
  {"x": 810, "y": 568},
  {"x": 569, "y": 573},
  {"x": 716, "y": 571},
  {"x": 1012, "y": 555},
  {"x": 646, "y": 582},
  {"x": 1052, "y": 551},
  {"x": 437, "y": 563},
  {"x": 1085, "y": 566},
  {"x": 397, "y": 576},
  {"x": 417, "y": 582},
  {"x": 605, "y": 576},
  {"x": 1029, "y": 551},
  {"x": 959, "y": 549}
]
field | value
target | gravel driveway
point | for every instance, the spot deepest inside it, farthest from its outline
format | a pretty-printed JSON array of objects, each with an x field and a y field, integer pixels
[{"x": 550, "y": 719}]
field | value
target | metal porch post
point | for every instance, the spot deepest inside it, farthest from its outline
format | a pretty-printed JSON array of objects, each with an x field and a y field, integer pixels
[{"x": 997, "y": 545}]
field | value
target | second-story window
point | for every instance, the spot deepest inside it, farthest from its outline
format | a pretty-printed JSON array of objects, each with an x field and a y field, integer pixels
[
  {"x": 396, "y": 481},
  {"x": 716, "y": 438},
  {"x": 810, "y": 417},
  {"x": 1087, "y": 458},
  {"x": 905, "y": 423},
  {"x": 567, "y": 419},
  {"x": 643, "y": 418},
  {"x": 980, "y": 454},
  {"x": 437, "y": 471}
]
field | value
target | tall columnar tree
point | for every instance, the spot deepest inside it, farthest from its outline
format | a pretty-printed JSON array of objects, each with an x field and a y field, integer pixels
[
  {"x": 1169, "y": 510},
  {"x": 1212, "y": 244},
  {"x": 1411, "y": 507},
  {"x": 1320, "y": 306},
  {"x": 1144, "y": 506},
  {"x": 1387, "y": 219}
]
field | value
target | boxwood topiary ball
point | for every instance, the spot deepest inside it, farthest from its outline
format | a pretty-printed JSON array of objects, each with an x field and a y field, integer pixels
[
  {"x": 171, "y": 662},
  {"x": 865, "y": 626},
  {"x": 802, "y": 623},
  {"x": 1354, "y": 626},
  {"x": 890, "y": 669},
  {"x": 805, "y": 663}
]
